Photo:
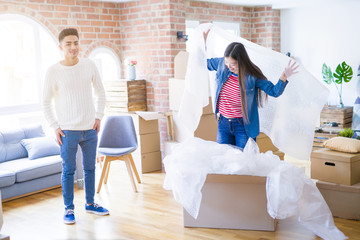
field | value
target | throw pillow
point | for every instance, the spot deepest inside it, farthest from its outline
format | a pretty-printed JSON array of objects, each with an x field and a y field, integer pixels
[
  {"x": 40, "y": 147},
  {"x": 343, "y": 144}
]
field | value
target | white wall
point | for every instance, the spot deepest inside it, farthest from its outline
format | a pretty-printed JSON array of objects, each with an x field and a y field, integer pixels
[{"x": 325, "y": 33}]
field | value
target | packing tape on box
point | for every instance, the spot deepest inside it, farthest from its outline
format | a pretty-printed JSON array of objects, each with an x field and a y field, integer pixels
[
  {"x": 289, "y": 120},
  {"x": 289, "y": 191}
]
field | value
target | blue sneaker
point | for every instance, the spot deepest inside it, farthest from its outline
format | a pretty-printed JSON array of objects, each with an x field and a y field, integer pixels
[
  {"x": 69, "y": 217},
  {"x": 96, "y": 209}
]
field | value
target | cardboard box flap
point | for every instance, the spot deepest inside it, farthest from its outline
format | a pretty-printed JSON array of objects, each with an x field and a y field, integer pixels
[
  {"x": 180, "y": 64},
  {"x": 335, "y": 155},
  {"x": 338, "y": 187},
  {"x": 150, "y": 115},
  {"x": 228, "y": 178}
]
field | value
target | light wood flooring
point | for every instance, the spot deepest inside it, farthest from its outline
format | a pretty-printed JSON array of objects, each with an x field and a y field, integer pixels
[{"x": 152, "y": 213}]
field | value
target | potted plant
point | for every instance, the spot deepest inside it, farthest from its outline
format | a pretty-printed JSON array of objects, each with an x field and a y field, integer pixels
[{"x": 343, "y": 73}]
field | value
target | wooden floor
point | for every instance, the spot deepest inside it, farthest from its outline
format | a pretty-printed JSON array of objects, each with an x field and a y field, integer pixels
[{"x": 152, "y": 213}]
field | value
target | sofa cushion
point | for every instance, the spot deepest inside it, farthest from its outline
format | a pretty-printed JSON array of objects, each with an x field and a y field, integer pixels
[
  {"x": 40, "y": 147},
  {"x": 6, "y": 178},
  {"x": 26, "y": 169},
  {"x": 10, "y": 146}
]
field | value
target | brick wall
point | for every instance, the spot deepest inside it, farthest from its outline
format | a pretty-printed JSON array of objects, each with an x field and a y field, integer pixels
[
  {"x": 265, "y": 27},
  {"x": 97, "y": 22},
  {"x": 209, "y": 12},
  {"x": 145, "y": 30}
]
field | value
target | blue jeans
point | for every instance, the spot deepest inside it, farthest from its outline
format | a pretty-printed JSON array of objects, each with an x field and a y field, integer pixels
[
  {"x": 232, "y": 131},
  {"x": 88, "y": 144}
]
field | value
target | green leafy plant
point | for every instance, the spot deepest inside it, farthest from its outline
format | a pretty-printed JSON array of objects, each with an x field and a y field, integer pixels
[
  {"x": 343, "y": 73},
  {"x": 346, "y": 132}
]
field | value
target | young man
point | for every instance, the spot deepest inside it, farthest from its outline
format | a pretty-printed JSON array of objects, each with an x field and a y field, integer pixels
[{"x": 75, "y": 116}]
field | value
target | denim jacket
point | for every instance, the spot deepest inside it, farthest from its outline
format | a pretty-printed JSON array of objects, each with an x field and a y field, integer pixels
[{"x": 252, "y": 84}]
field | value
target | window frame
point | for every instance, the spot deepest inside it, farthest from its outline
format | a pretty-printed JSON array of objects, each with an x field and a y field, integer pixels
[
  {"x": 111, "y": 52},
  {"x": 39, "y": 73}
]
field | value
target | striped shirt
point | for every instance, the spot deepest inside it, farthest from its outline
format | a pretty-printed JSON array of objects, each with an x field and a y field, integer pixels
[{"x": 229, "y": 103}]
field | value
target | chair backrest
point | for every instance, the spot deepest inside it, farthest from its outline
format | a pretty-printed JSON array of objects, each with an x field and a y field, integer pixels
[{"x": 117, "y": 132}]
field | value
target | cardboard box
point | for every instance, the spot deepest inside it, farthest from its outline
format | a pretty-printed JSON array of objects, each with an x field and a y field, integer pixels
[
  {"x": 176, "y": 91},
  {"x": 144, "y": 122},
  {"x": 265, "y": 144},
  {"x": 343, "y": 201},
  {"x": 280, "y": 154},
  {"x": 180, "y": 64},
  {"x": 207, "y": 128},
  {"x": 149, "y": 142},
  {"x": 147, "y": 162},
  {"x": 335, "y": 167},
  {"x": 209, "y": 108},
  {"x": 233, "y": 202}
]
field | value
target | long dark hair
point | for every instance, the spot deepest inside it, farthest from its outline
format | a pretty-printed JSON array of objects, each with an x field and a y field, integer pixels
[{"x": 238, "y": 52}]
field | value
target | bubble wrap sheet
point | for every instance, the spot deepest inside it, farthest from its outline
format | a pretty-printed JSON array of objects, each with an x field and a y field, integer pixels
[
  {"x": 289, "y": 191},
  {"x": 289, "y": 120}
]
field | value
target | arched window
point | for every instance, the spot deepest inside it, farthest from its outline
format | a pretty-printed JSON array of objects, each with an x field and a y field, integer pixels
[
  {"x": 107, "y": 62},
  {"x": 27, "y": 50}
]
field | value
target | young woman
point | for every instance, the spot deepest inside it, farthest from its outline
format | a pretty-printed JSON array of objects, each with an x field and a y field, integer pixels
[{"x": 241, "y": 89}]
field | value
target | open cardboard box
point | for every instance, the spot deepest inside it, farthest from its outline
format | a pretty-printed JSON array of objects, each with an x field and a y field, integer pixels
[{"x": 233, "y": 202}]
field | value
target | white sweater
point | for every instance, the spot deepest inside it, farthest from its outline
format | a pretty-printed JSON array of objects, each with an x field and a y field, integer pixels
[{"x": 71, "y": 88}]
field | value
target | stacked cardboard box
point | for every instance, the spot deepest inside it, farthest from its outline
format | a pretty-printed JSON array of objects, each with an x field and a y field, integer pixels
[
  {"x": 147, "y": 157},
  {"x": 339, "y": 181},
  {"x": 207, "y": 128},
  {"x": 125, "y": 95}
]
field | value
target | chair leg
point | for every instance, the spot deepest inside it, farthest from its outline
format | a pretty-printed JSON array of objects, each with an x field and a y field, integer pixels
[
  {"x": 128, "y": 166},
  {"x": 106, "y": 163},
  {"x": 99, "y": 159},
  {"x": 134, "y": 168},
  {"x": 107, "y": 173}
]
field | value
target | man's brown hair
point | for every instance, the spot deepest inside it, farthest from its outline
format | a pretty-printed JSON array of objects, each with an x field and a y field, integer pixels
[{"x": 68, "y": 32}]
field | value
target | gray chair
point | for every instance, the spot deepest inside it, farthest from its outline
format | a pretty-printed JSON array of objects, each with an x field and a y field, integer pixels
[{"x": 117, "y": 142}]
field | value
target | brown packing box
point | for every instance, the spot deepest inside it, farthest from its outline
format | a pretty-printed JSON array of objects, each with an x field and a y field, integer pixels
[
  {"x": 343, "y": 201},
  {"x": 148, "y": 162},
  {"x": 208, "y": 108},
  {"x": 147, "y": 156},
  {"x": 265, "y": 144},
  {"x": 207, "y": 128},
  {"x": 149, "y": 142},
  {"x": 233, "y": 202},
  {"x": 335, "y": 167},
  {"x": 280, "y": 154}
]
